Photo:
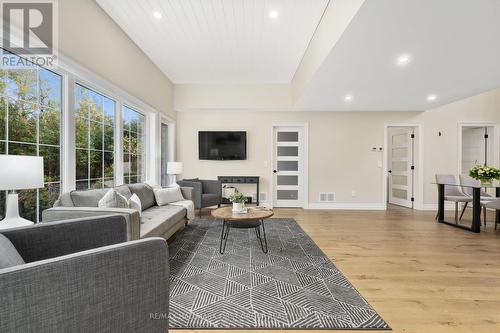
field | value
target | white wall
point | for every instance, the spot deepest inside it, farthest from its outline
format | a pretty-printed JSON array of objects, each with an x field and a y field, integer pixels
[{"x": 340, "y": 156}]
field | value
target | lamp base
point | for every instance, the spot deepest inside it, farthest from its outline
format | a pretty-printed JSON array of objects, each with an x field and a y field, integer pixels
[{"x": 12, "y": 218}]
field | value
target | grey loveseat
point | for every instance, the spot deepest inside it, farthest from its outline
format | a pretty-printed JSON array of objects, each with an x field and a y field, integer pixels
[
  {"x": 70, "y": 278},
  {"x": 155, "y": 221}
]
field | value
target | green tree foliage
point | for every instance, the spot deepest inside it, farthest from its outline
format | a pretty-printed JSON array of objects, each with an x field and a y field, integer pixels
[
  {"x": 94, "y": 139},
  {"x": 30, "y": 103}
]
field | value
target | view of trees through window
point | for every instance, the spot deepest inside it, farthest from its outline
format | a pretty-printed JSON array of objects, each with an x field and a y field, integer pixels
[
  {"x": 95, "y": 131},
  {"x": 134, "y": 125},
  {"x": 30, "y": 124}
]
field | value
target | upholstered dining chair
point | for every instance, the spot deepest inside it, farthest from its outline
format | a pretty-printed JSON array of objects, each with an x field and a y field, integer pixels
[
  {"x": 485, "y": 196},
  {"x": 494, "y": 204},
  {"x": 452, "y": 193}
]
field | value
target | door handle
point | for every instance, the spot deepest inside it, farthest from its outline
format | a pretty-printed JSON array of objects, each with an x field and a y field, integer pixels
[
  {"x": 390, "y": 171},
  {"x": 275, "y": 171}
]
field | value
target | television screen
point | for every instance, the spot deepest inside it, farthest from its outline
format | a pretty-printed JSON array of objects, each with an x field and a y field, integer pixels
[{"x": 222, "y": 145}]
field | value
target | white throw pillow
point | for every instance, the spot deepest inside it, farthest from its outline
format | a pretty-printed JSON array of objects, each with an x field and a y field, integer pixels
[
  {"x": 113, "y": 199},
  {"x": 168, "y": 195},
  {"x": 135, "y": 203}
]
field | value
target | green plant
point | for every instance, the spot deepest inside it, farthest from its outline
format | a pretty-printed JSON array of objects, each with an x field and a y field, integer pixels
[
  {"x": 484, "y": 173},
  {"x": 238, "y": 198}
]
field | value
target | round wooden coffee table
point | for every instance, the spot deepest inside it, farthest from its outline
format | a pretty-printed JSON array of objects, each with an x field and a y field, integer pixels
[{"x": 254, "y": 218}]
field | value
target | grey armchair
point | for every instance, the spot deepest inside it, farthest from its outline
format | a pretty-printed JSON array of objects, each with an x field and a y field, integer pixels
[
  {"x": 206, "y": 193},
  {"x": 78, "y": 280}
]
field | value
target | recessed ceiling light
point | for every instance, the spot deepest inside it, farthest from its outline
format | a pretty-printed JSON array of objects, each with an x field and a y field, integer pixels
[
  {"x": 157, "y": 15},
  {"x": 403, "y": 60},
  {"x": 431, "y": 98},
  {"x": 274, "y": 14},
  {"x": 348, "y": 98}
]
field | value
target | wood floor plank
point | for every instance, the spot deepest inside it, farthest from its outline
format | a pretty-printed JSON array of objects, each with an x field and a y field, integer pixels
[{"x": 420, "y": 276}]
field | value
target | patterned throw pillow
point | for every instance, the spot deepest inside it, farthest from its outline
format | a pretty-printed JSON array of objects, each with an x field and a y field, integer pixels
[{"x": 113, "y": 199}]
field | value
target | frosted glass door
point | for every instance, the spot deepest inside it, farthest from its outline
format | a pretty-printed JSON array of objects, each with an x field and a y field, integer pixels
[
  {"x": 288, "y": 166},
  {"x": 400, "y": 167}
]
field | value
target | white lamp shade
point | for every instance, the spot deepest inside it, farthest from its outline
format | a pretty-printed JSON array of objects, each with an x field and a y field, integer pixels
[
  {"x": 20, "y": 172},
  {"x": 174, "y": 168}
]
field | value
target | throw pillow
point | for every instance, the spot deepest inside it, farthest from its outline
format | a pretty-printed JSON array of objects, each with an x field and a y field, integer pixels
[
  {"x": 113, "y": 199},
  {"x": 8, "y": 254},
  {"x": 168, "y": 195},
  {"x": 135, "y": 203}
]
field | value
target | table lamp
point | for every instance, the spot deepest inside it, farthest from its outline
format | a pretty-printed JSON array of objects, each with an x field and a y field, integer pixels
[
  {"x": 18, "y": 173},
  {"x": 174, "y": 169}
]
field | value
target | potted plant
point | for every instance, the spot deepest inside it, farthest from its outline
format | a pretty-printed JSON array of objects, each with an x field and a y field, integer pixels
[
  {"x": 238, "y": 200},
  {"x": 485, "y": 174}
]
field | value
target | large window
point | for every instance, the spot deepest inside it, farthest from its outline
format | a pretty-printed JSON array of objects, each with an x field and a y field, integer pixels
[
  {"x": 95, "y": 121},
  {"x": 30, "y": 124},
  {"x": 134, "y": 125}
]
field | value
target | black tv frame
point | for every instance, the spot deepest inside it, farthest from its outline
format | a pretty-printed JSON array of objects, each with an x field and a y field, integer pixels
[{"x": 244, "y": 133}]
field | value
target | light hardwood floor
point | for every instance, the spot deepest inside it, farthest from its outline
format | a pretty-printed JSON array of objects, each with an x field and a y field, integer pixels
[{"x": 420, "y": 276}]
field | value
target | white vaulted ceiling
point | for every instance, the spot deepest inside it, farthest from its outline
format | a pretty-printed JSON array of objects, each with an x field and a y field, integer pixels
[
  {"x": 453, "y": 48},
  {"x": 220, "y": 41}
]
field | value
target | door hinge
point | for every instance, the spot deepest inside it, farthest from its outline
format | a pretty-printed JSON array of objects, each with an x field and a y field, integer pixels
[
  {"x": 413, "y": 136},
  {"x": 412, "y": 199}
]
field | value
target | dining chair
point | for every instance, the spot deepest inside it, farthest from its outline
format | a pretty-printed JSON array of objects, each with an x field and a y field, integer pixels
[
  {"x": 468, "y": 181},
  {"x": 452, "y": 193},
  {"x": 494, "y": 204}
]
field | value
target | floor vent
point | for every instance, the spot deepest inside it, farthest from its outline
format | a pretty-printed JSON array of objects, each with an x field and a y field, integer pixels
[{"x": 326, "y": 197}]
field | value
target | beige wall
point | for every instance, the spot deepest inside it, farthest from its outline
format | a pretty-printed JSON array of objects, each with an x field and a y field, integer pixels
[
  {"x": 441, "y": 152},
  {"x": 340, "y": 156},
  {"x": 91, "y": 38}
]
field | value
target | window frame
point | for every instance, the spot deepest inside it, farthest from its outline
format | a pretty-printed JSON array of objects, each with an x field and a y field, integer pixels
[{"x": 72, "y": 73}]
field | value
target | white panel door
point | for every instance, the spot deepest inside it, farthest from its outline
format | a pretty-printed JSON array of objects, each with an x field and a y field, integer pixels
[
  {"x": 288, "y": 166},
  {"x": 401, "y": 167}
]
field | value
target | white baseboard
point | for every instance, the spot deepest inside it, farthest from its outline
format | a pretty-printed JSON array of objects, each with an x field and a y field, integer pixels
[{"x": 347, "y": 206}]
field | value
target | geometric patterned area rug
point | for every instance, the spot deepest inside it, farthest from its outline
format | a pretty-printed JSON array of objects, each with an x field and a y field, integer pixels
[{"x": 293, "y": 286}]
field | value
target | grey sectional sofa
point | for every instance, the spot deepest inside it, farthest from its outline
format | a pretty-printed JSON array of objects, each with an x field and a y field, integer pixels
[
  {"x": 69, "y": 278},
  {"x": 155, "y": 221}
]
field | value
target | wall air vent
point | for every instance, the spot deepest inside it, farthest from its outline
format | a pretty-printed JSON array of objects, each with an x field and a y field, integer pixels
[{"x": 326, "y": 197}]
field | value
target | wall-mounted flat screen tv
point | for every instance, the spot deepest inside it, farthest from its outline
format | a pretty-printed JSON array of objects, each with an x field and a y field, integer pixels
[{"x": 221, "y": 146}]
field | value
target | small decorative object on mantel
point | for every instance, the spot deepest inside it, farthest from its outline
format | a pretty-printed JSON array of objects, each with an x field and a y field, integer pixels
[
  {"x": 238, "y": 200},
  {"x": 485, "y": 174}
]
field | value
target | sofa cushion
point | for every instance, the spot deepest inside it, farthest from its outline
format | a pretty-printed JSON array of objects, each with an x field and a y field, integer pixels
[
  {"x": 88, "y": 198},
  {"x": 145, "y": 194},
  {"x": 64, "y": 200},
  {"x": 113, "y": 199},
  {"x": 8, "y": 254},
  {"x": 157, "y": 220},
  {"x": 124, "y": 190}
]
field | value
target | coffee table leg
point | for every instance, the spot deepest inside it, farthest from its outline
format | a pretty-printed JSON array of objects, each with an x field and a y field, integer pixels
[
  {"x": 223, "y": 236},
  {"x": 264, "y": 249}
]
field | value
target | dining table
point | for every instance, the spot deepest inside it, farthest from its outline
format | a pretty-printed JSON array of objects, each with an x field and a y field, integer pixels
[{"x": 476, "y": 204}]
